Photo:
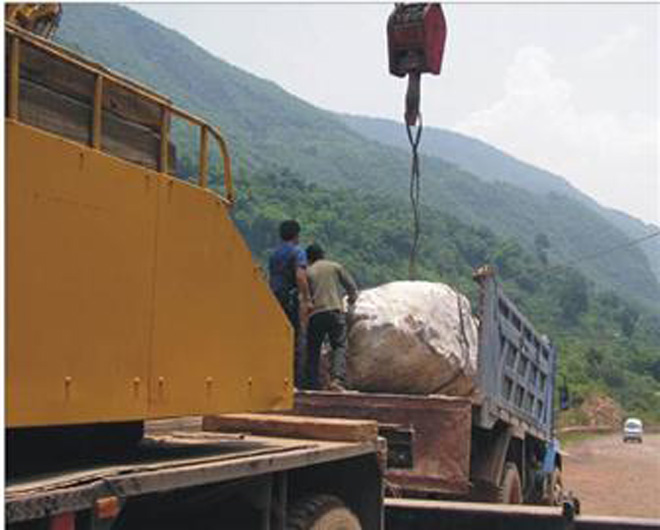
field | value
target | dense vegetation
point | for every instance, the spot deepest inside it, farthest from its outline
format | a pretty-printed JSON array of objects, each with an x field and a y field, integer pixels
[
  {"x": 294, "y": 160},
  {"x": 607, "y": 345}
]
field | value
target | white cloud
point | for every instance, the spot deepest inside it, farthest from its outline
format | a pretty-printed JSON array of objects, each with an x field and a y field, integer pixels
[
  {"x": 611, "y": 156},
  {"x": 615, "y": 43}
]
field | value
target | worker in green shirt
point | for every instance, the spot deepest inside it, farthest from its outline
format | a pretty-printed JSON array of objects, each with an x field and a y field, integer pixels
[{"x": 327, "y": 283}]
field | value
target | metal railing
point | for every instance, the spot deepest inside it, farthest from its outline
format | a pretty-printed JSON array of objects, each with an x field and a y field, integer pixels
[{"x": 103, "y": 76}]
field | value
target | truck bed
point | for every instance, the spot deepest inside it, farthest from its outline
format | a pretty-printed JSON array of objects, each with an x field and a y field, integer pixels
[
  {"x": 428, "y": 437},
  {"x": 516, "y": 365}
]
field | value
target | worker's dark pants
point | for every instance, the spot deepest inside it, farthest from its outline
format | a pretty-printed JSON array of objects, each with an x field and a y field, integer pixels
[
  {"x": 291, "y": 307},
  {"x": 331, "y": 324}
]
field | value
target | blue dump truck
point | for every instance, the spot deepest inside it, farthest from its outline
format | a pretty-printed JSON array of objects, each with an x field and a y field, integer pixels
[{"x": 496, "y": 445}]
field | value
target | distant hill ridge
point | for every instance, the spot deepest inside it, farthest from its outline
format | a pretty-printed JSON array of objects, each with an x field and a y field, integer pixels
[
  {"x": 269, "y": 128},
  {"x": 493, "y": 165}
]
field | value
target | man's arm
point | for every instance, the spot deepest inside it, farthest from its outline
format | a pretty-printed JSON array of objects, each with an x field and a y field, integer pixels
[
  {"x": 303, "y": 286},
  {"x": 306, "y": 305},
  {"x": 348, "y": 284}
]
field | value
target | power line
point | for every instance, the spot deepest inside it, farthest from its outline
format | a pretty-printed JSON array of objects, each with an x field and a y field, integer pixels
[
  {"x": 618, "y": 247},
  {"x": 594, "y": 255}
]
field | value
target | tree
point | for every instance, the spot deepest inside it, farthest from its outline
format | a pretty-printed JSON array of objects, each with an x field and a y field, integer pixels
[
  {"x": 594, "y": 359},
  {"x": 628, "y": 319},
  {"x": 573, "y": 296},
  {"x": 542, "y": 244}
]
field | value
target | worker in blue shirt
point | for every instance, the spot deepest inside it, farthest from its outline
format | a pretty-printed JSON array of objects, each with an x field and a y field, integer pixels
[{"x": 288, "y": 281}]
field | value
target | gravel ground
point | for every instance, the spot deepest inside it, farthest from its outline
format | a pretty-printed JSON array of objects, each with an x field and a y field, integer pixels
[{"x": 615, "y": 478}]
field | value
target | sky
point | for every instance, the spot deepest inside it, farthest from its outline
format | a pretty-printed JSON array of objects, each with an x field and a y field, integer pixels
[{"x": 571, "y": 88}]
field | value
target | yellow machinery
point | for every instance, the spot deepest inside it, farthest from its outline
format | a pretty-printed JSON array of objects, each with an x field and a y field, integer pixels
[
  {"x": 130, "y": 293},
  {"x": 41, "y": 19}
]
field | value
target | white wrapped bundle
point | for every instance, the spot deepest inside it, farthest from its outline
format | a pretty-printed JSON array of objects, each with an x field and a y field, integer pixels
[{"x": 412, "y": 338}]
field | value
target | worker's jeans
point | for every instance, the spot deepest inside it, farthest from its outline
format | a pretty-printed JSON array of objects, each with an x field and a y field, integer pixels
[
  {"x": 289, "y": 303},
  {"x": 331, "y": 324}
]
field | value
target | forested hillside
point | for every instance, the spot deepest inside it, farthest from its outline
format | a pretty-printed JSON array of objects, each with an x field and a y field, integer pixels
[
  {"x": 493, "y": 165},
  {"x": 269, "y": 128},
  {"x": 351, "y": 194}
]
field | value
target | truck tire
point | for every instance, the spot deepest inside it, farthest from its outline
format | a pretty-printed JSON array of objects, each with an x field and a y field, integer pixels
[
  {"x": 321, "y": 512},
  {"x": 510, "y": 491}
]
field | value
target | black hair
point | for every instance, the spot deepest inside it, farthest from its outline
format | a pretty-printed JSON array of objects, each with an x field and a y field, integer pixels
[
  {"x": 289, "y": 230},
  {"x": 315, "y": 252}
]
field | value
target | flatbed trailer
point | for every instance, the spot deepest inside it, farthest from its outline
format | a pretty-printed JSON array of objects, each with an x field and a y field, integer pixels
[{"x": 194, "y": 479}]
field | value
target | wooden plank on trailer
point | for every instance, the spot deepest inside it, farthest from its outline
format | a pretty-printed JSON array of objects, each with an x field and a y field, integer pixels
[{"x": 307, "y": 427}]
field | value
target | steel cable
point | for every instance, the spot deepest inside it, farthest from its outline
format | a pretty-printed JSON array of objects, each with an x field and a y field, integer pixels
[
  {"x": 414, "y": 138},
  {"x": 585, "y": 257}
]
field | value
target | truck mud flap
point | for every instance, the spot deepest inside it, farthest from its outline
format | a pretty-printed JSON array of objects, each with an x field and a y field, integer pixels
[{"x": 412, "y": 514}]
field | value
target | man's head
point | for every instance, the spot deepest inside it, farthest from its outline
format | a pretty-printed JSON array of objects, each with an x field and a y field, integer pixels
[
  {"x": 289, "y": 230},
  {"x": 315, "y": 252}
]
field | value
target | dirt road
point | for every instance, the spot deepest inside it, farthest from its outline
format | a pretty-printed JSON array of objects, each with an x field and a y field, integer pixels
[{"x": 613, "y": 478}]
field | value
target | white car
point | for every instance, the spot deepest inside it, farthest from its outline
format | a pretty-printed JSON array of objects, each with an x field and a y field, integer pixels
[{"x": 633, "y": 430}]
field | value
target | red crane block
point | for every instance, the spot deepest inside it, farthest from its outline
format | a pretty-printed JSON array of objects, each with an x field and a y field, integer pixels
[{"x": 416, "y": 35}]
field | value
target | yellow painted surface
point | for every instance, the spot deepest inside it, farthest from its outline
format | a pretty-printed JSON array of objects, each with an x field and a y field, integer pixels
[
  {"x": 212, "y": 303},
  {"x": 129, "y": 295}
]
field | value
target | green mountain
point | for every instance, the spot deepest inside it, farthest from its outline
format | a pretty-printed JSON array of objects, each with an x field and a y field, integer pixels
[
  {"x": 268, "y": 128},
  {"x": 350, "y": 193},
  {"x": 493, "y": 165}
]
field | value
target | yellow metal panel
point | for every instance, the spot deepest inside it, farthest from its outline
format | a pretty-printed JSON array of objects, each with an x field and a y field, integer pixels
[
  {"x": 130, "y": 295},
  {"x": 221, "y": 342},
  {"x": 80, "y": 248}
]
